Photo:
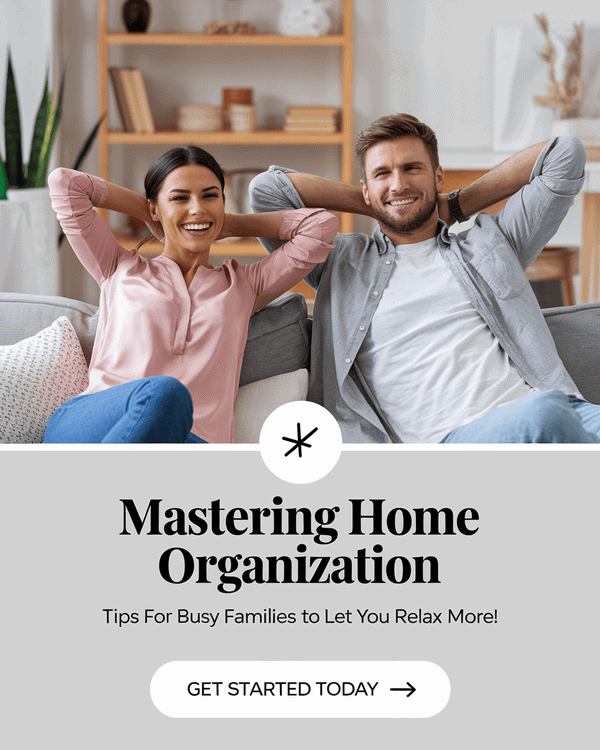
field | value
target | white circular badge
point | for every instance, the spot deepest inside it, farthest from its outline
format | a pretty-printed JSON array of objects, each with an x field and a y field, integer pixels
[{"x": 300, "y": 442}]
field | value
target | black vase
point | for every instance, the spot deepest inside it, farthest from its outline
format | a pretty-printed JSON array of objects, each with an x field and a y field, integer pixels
[{"x": 136, "y": 15}]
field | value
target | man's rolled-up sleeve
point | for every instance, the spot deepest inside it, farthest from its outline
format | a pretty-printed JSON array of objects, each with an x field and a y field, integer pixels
[
  {"x": 532, "y": 216},
  {"x": 273, "y": 191}
]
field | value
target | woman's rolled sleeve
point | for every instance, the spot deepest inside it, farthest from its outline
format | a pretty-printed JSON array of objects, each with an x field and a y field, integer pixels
[
  {"x": 309, "y": 233},
  {"x": 74, "y": 195}
]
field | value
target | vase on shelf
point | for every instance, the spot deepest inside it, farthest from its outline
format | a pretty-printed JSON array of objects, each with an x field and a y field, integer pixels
[
  {"x": 304, "y": 18},
  {"x": 136, "y": 15}
]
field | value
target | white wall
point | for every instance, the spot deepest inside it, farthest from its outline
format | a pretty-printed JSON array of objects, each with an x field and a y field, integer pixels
[
  {"x": 440, "y": 57},
  {"x": 26, "y": 28},
  {"x": 433, "y": 58},
  {"x": 39, "y": 38}
]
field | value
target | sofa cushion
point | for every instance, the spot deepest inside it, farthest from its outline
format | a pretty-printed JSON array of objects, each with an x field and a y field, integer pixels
[
  {"x": 257, "y": 400},
  {"x": 576, "y": 334},
  {"x": 37, "y": 375},
  {"x": 278, "y": 340},
  {"x": 23, "y": 315}
]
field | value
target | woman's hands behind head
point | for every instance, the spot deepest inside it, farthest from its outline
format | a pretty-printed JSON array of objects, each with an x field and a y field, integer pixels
[
  {"x": 227, "y": 229},
  {"x": 156, "y": 228}
]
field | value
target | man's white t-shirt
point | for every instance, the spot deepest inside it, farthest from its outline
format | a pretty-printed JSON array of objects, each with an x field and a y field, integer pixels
[{"x": 429, "y": 358}]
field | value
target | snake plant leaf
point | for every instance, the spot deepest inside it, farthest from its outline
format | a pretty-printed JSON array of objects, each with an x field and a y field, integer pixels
[
  {"x": 88, "y": 142},
  {"x": 50, "y": 135},
  {"x": 39, "y": 132},
  {"x": 3, "y": 182},
  {"x": 12, "y": 131}
]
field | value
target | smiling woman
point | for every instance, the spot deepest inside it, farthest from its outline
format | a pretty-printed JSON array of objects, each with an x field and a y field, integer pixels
[
  {"x": 185, "y": 196},
  {"x": 172, "y": 330}
]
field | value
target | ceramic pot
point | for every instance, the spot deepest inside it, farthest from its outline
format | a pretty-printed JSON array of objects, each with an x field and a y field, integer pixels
[
  {"x": 234, "y": 96},
  {"x": 39, "y": 239},
  {"x": 136, "y": 15}
]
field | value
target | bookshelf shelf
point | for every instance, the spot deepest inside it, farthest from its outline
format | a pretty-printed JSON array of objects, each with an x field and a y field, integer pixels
[
  {"x": 224, "y": 40},
  {"x": 344, "y": 139},
  {"x": 257, "y": 137}
]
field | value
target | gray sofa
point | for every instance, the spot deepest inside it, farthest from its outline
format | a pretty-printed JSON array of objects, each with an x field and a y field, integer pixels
[
  {"x": 274, "y": 369},
  {"x": 276, "y": 359}
]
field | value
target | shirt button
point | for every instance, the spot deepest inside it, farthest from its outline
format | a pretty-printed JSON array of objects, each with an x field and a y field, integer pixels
[
  {"x": 387, "y": 263},
  {"x": 375, "y": 294},
  {"x": 348, "y": 360},
  {"x": 361, "y": 328}
]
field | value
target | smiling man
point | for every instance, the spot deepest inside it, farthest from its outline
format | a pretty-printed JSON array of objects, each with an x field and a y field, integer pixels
[
  {"x": 423, "y": 336},
  {"x": 401, "y": 182}
]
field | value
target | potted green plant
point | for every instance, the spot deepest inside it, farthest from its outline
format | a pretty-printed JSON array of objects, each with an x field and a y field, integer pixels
[
  {"x": 33, "y": 174},
  {"x": 34, "y": 243},
  {"x": 27, "y": 183}
]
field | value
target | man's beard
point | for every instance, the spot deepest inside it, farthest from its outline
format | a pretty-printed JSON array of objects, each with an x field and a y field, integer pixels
[{"x": 409, "y": 224}]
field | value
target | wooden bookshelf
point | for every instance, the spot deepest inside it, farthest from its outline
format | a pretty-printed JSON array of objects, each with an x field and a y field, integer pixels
[{"x": 343, "y": 140}]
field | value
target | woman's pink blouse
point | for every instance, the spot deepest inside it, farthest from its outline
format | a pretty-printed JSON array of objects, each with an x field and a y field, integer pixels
[{"x": 150, "y": 323}]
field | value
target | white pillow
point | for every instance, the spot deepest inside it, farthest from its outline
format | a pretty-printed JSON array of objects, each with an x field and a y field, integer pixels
[
  {"x": 37, "y": 375},
  {"x": 256, "y": 401}
]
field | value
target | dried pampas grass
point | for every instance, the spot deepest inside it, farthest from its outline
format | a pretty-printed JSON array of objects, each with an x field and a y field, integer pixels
[{"x": 566, "y": 95}]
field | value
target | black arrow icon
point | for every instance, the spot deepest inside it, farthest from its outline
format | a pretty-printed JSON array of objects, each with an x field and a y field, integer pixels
[{"x": 409, "y": 690}]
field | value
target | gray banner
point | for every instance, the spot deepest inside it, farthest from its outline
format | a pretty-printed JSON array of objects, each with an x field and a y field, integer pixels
[{"x": 77, "y": 668}]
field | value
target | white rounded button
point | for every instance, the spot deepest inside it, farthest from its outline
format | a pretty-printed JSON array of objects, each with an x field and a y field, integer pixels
[{"x": 300, "y": 689}]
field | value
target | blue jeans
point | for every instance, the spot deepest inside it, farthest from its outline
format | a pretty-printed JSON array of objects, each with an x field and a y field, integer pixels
[
  {"x": 548, "y": 417},
  {"x": 152, "y": 410}
]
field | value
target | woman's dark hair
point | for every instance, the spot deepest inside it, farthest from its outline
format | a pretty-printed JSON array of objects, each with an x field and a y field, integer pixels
[{"x": 180, "y": 156}]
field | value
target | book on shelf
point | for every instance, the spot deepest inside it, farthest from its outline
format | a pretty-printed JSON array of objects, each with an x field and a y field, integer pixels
[
  {"x": 142, "y": 99},
  {"x": 292, "y": 128},
  {"x": 132, "y": 100},
  {"x": 122, "y": 104},
  {"x": 312, "y": 119},
  {"x": 316, "y": 111},
  {"x": 321, "y": 122}
]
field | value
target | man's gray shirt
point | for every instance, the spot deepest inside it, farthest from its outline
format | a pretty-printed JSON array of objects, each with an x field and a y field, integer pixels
[{"x": 488, "y": 260}]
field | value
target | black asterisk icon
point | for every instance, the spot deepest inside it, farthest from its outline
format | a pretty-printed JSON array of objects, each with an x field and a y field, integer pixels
[{"x": 299, "y": 441}]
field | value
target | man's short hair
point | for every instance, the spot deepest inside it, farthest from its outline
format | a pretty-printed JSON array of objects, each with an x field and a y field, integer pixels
[{"x": 392, "y": 127}]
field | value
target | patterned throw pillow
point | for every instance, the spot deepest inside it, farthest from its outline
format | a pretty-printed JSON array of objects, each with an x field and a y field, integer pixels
[{"x": 37, "y": 375}]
